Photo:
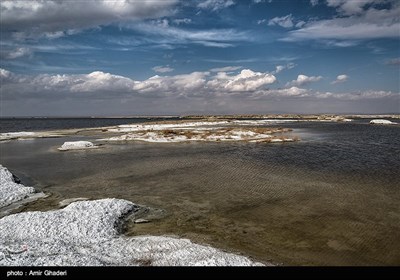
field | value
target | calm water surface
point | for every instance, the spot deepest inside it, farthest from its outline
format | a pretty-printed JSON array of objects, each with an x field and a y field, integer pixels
[
  {"x": 43, "y": 124},
  {"x": 331, "y": 199}
]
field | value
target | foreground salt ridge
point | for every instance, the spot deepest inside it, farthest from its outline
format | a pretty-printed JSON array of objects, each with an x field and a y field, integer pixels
[
  {"x": 10, "y": 191},
  {"x": 85, "y": 233},
  {"x": 77, "y": 145}
]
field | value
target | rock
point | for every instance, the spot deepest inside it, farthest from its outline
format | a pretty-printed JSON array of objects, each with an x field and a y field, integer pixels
[
  {"x": 141, "y": 221},
  {"x": 10, "y": 190}
]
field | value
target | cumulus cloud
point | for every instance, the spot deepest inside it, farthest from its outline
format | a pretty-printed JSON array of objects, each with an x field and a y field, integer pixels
[
  {"x": 340, "y": 79},
  {"x": 285, "y": 21},
  {"x": 185, "y": 84},
  {"x": 45, "y": 85},
  {"x": 358, "y": 21},
  {"x": 246, "y": 80},
  {"x": 97, "y": 81},
  {"x": 215, "y": 5},
  {"x": 99, "y": 85},
  {"x": 52, "y": 16},
  {"x": 162, "y": 69},
  {"x": 5, "y": 75},
  {"x": 303, "y": 80},
  {"x": 314, "y": 2}
]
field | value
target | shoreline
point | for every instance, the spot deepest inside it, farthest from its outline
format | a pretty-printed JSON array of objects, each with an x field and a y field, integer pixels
[
  {"x": 183, "y": 123},
  {"x": 88, "y": 232}
]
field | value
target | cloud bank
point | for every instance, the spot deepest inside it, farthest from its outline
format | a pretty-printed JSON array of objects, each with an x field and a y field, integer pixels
[
  {"x": 52, "y": 16},
  {"x": 357, "y": 20},
  {"x": 246, "y": 84}
]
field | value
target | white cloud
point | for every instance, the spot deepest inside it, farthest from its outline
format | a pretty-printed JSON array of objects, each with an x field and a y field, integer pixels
[
  {"x": 258, "y": 1},
  {"x": 246, "y": 80},
  {"x": 52, "y": 16},
  {"x": 162, "y": 69},
  {"x": 5, "y": 75},
  {"x": 174, "y": 85},
  {"x": 215, "y": 5},
  {"x": 280, "y": 68},
  {"x": 314, "y": 2},
  {"x": 99, "y": 83},
  {"x": 179, "y": 21},
  {"x": 300, "y": 24},
  {"x": 93, "y": 82},
  {"x": 19, "y": 52},
  {"x": 285, "y": 21},
  {"x": 351, "y": 7},
  {"x": 105, "y": 86},
  {"x": 226, "y": 69},
  {"x": 221, "y": 38},
  {"x": 162, "y": 23},
  {"x": 292, "y": 91},
  {"x": 369, "y": 94},
  {"x": 303, "y": 80},
  {"x": 261, "y": 21},
  {"x": 340, "y": 79},
  {"x": 358, "y": 22}
]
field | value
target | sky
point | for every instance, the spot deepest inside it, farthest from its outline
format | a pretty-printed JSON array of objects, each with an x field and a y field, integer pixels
[{"x": 171, "y": 57}]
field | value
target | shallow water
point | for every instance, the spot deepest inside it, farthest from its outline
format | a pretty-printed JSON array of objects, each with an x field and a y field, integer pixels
[
  {"x": 43, "y": 124},
  {"x": 331, "y": 199}
]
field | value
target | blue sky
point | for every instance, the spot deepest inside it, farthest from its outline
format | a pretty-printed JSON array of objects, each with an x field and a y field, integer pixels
[{"x": 129, "y": 57}]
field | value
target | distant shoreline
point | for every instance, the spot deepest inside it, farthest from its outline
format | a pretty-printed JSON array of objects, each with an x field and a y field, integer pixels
[{"x": 218, "y": 116}]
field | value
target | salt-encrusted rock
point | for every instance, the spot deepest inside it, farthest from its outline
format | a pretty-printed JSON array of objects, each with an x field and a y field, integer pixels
[
  {"x": 381, "y": 121},
  {"x": 85, "y": 233},
  {"x": 77, "y": 145},
  {"x": 10, "y": 191}
]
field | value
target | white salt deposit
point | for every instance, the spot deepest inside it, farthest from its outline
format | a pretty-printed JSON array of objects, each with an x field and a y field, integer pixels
[
  {"x": 212, "y": 134},
  {"x": 77, "y": 145},
  {"x": 10, "y": 191},
  {"x": 381, "y": 121},
  {"x": 86, "y": 233},
  {"x": 16, "y": 135},
  {"x": 141, "y": 127}
]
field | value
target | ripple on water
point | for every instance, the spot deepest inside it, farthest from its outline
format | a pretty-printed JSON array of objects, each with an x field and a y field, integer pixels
[{"x": 330, "y": 199}]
